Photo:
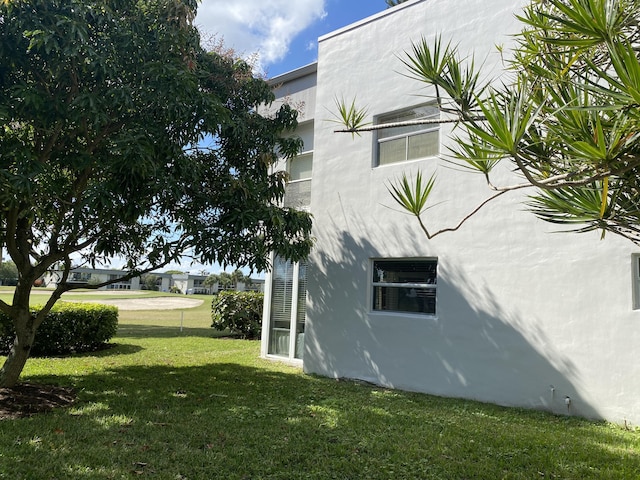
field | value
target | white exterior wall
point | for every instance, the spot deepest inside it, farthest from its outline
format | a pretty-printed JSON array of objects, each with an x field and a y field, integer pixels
[
  {"x": 298, "y": 89},
  {"x": 165, "y": 284},
  {"x": 519, "y": 309}
]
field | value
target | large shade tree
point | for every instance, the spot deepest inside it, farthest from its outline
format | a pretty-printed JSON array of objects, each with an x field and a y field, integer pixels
[
  {"x": 564, "y": 116},
  {"x": 103, "y": 106}
]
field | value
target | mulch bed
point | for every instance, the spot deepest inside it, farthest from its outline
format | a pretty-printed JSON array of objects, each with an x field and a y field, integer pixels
[{"x": 28, "y": 399}]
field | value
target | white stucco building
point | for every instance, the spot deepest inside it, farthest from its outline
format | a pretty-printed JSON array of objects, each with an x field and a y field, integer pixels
[{"x": 504, "y": 310}]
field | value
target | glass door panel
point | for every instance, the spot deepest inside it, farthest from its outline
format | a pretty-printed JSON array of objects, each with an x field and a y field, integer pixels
[
  {"x": 301, "y": 313},
  {"x": 281, "y": 299}
]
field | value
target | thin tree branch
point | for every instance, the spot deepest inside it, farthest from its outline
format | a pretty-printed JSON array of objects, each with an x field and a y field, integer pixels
[
  {"x": 467, "y": 217},
  {"x": 382, "y": 126},
  {"x": 557, "y": 181}
]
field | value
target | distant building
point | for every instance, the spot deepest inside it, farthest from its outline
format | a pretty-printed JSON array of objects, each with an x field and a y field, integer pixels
[
  {"x": 185, "y": 282},
  {"x": 91, "y": 276}
]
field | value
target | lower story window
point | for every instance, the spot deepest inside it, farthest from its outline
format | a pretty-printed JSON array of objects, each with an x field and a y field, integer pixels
[{"x": 405, "y": 285}]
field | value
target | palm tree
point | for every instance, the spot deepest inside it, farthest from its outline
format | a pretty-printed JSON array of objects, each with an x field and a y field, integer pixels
[
  {"x": 393, "y": 3},
  {"x": 566, "y": 120},
  {"x": 227, "y": 280}
]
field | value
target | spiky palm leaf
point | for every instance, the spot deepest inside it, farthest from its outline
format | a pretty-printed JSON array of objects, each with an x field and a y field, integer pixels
[
  {"x": 349, "y": 115},
  {"x": 412, "y": 196}
]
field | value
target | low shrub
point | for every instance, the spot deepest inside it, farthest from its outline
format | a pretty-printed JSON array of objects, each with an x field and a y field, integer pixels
[
  {"x": 238, "y": 312},
  {"x": 68, "y": 328}
]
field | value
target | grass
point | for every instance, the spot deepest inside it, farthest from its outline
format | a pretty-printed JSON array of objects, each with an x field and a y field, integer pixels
[{"x": 167, "y": 403}]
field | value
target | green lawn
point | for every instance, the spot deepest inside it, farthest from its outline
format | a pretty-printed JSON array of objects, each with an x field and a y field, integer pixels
[{"x": 167, "y": 403}]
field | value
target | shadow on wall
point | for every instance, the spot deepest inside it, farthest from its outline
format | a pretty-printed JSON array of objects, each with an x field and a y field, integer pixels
[{"x": 473, "y": 349}]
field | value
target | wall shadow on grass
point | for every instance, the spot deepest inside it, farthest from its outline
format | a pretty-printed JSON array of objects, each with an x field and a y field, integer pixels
[
  {"x": 130, "y": 330},
  {"x": 109, "y": 350},
  {"x": 231, "y": 421},
  {"x": 112, "y": 349}
]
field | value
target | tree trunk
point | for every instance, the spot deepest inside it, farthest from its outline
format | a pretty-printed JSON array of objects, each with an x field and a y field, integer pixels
[{"x": 17, "y": 358}]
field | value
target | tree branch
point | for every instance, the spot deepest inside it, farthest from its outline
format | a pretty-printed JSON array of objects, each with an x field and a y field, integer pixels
[
  {"x": 467, "y": 217},
  {"x": 382, "y": 126}
]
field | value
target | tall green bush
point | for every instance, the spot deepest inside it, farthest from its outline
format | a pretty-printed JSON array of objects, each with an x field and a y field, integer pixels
[
  {"x": 67, "y": 328},
  {"x": 238, "y": 312},
  {"x": 8, "y": 273}
]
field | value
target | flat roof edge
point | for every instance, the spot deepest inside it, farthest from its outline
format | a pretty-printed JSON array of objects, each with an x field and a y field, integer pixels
[
  {"x": 372, "y": 18},
  {"x": 294, "y": 74}
]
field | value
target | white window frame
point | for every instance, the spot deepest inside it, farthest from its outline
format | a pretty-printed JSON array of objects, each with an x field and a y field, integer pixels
[
  {"x": 635, "y": 280},
  {"x": 409, "y": 131},
  {"x": 308, "y": 153},
  {"x": 381, "y": 283},
  {"x": 299, "y": 183},
  {"x": 291, "y": 358}
]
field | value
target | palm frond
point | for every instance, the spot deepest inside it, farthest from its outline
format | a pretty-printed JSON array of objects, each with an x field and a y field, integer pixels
[
  {"x": 352, "y": 117},
  {"x": 571, "y": 205},
  {"x": 439, "y": 65},
  {"x": 412, "y": 196}
]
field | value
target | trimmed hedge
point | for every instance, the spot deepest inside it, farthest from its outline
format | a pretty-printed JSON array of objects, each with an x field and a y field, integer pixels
[
  {"x": 238, "y": 312},
  {"x": 68, "y": 328}
]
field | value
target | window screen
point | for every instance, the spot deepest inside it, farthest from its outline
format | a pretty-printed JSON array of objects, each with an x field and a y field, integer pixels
[
  {"x": 405, "y": 286},
  {"x": 409, "y": 142}
]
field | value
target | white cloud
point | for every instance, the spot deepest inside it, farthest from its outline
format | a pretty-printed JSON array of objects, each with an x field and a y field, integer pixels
[{"x": 265, "y": 27}]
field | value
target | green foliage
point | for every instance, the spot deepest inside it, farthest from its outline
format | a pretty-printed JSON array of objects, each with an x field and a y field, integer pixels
[
  {"x": 393, "y": 3},
  {"x": 149, "y": 282},
  {"x": 226, "y": 279},
  {"x": 67, "y": 328},
  {"x": 568, "y": 121},
  {"x": 8, "y": 273},
  {"x": 352, "y": 117},
  {"x": 443, "y": 68},
  {"x": 238, "y": 312},
  {"x": 412, "y": 197},
  {"x": 223, "y": 279},
  {"x": 136, "y": 70}
]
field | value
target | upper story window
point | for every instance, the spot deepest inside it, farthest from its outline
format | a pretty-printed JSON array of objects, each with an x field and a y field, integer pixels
[
  {"x": 410, "y": 142},
  {"x": 405, "y": 285},
  {"x": 300, "y": 167},
  {"x": 298, "y": 190}
]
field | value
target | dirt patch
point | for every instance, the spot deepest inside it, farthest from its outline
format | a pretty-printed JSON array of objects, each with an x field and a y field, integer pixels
[
  {"x": 153, "y": 303},
  {"x": 27, "y": 399},
  {"x": 37, "y": 291}
]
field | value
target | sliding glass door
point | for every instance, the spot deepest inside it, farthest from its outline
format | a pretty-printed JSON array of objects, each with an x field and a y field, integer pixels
[{"x": 287, "y": 299}]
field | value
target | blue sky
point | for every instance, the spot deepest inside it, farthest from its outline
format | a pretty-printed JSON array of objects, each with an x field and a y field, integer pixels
[
  {"x": 284, "y": 33},
  {"x": 339, "y": 13}
]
